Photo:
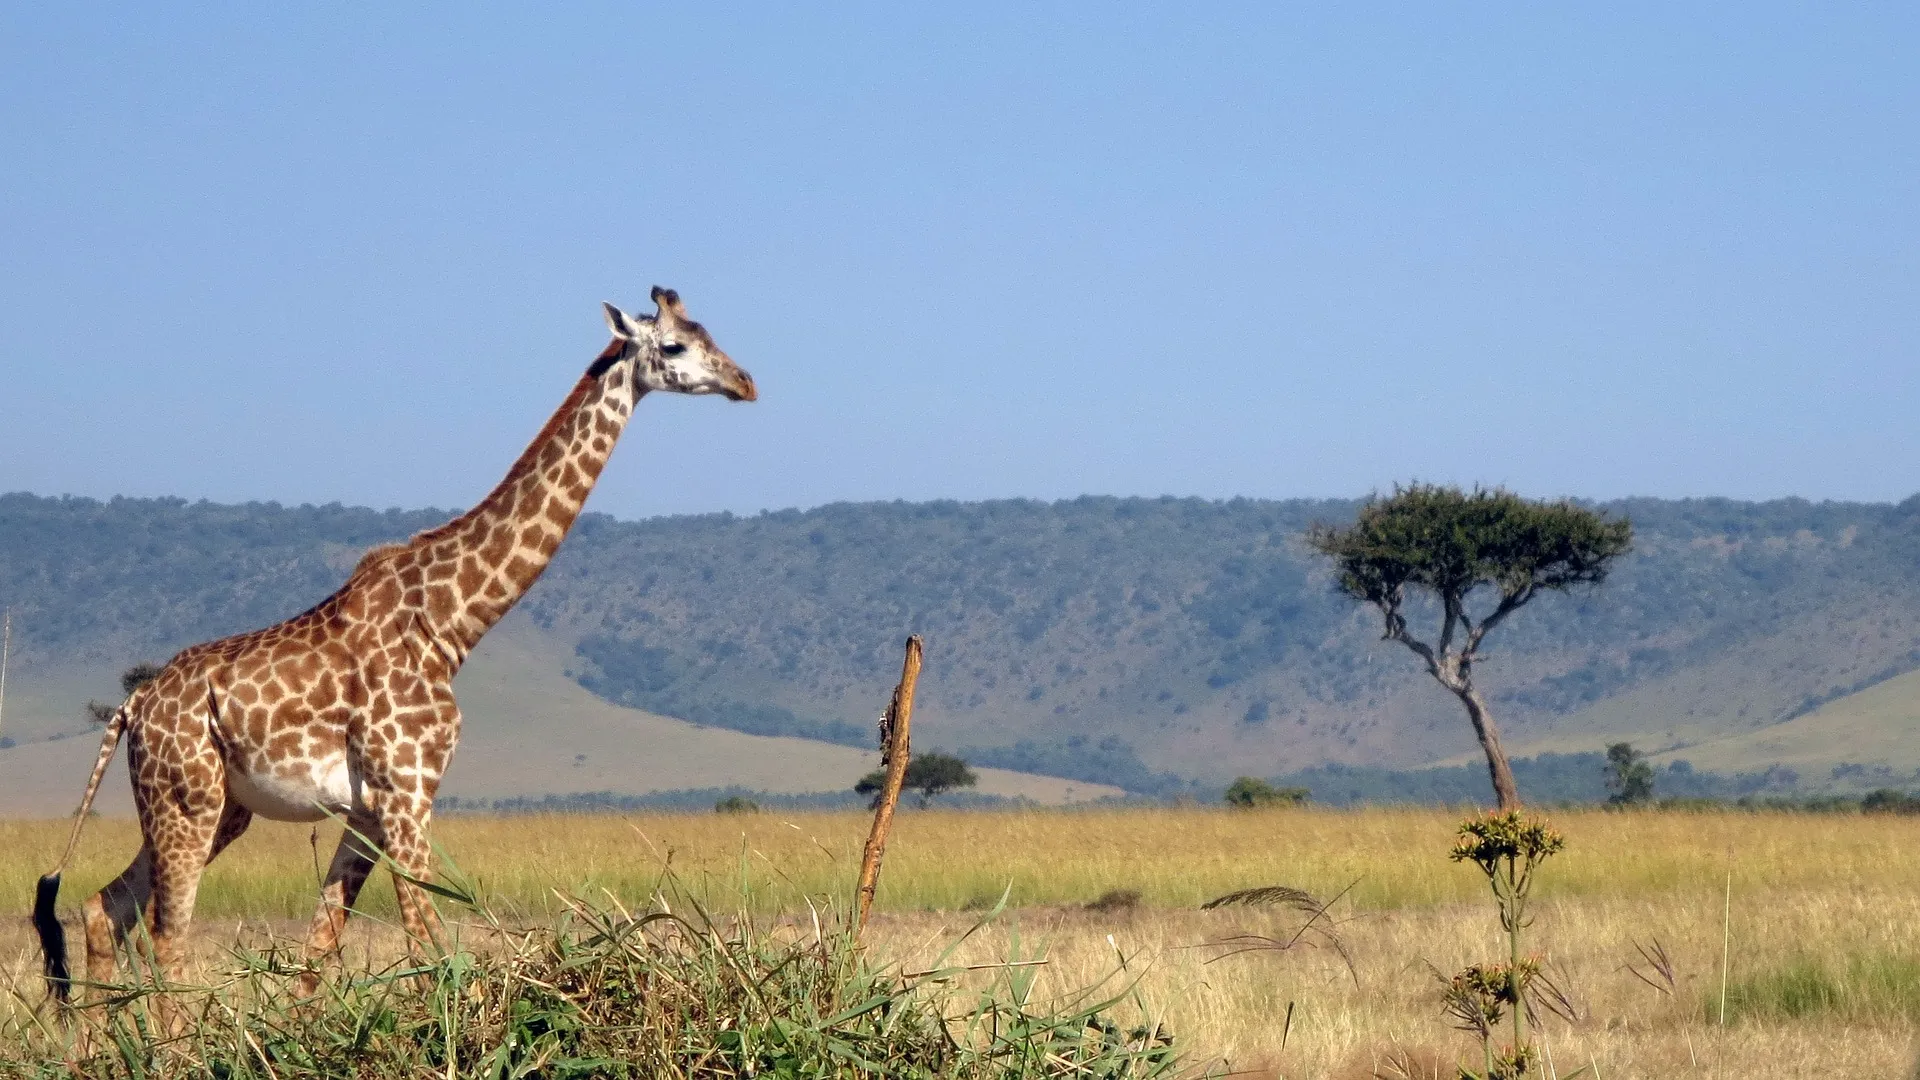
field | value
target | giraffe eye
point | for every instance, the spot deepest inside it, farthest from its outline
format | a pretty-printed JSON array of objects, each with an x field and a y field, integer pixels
[{"x": 672, "y": 348}]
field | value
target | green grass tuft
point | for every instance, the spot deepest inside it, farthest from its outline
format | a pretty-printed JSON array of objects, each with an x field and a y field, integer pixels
[
  {"x": 1864, "y": 987},
  {"x": 674, "y": 992}
]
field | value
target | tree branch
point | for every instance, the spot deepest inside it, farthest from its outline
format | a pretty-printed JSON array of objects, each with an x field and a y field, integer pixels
[
  {"x": 1451, "y": 611},
  {"x": 1396, "y": 630},
  {"x": 1424, "y": 652},
  {"x": 1510, "y": 602}
]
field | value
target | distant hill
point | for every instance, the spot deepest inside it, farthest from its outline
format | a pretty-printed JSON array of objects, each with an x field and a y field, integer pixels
[
  {"x": 1149, "y": 643},
  {"x": 528, "y": 732}
]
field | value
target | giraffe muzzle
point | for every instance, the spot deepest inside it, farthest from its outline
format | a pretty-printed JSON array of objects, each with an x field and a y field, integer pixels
[{"x": 741, "y": 388}]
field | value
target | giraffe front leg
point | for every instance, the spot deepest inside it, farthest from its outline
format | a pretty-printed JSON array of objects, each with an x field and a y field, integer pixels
[
  {"x": 403, "y": 825},
  {"x": 403, "y": 761},
  {"x": 352, "y": 861},
  {"x": 402, "y": 756}
]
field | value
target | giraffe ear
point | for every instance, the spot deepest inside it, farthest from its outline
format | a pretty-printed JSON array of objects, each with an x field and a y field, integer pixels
[
  {"x": 669, "y": 302},
  {"x": 620, "y": 322}
]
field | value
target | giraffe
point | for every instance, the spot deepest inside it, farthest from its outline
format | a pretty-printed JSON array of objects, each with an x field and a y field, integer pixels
[{"x": 347, "y": 709}]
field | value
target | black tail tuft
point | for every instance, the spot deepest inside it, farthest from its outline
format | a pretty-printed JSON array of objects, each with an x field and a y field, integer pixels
[{"x": 53, "y": 938}]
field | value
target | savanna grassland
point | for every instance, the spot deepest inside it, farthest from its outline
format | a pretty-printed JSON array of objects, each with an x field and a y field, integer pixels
[{"x": 1823, "y": 952}]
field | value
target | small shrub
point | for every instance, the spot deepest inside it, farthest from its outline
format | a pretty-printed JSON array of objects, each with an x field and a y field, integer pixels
[
  {"x": 1889, "y": 801},
  {"x": 138, "y": 676},
  {"x": 1114, "y": 901},
  {"x": 1251, "y": 793},
  {"x": 736, "y": 804}
]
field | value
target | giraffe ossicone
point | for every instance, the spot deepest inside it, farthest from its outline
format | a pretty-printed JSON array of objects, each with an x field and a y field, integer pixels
[{"x": 347, "y": 709}]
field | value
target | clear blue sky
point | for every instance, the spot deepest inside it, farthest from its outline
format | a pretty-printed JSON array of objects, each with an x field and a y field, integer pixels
[{"x": 967, "y": 250}]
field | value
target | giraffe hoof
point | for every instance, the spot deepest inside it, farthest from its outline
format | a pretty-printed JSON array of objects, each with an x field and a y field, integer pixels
[{"x": 307, "y": 985}]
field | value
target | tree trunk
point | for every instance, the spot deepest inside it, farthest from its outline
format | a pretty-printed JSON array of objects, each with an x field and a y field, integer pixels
[{"x": 1505, "y": 792}]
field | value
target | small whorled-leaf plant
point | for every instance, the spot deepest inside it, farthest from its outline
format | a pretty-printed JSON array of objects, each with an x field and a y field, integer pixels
[{"x": 1508, "y": 847}]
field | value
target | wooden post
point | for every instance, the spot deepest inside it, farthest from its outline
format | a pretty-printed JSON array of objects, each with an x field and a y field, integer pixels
[{"x": 894, "y": 754}]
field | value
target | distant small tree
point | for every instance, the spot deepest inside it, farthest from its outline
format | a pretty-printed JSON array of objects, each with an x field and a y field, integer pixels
[
  {"x": 1451, "y": 544},
  {"x": 930, "y": 774},
  {"x": 1252, "y": 793},
  {"x": 131, "y": 679},
  {"x": 736, "y": 804},
  {"x": 138, "y": 676},
  {"x": 873, "y": 784},
  {"x": 1629, "y": 777}
]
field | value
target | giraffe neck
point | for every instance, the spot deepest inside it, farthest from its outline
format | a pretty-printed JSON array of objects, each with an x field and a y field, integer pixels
[{"x": 477, "y": 566}]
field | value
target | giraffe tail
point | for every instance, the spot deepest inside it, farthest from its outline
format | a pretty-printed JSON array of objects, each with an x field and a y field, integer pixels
[
  {"x": 53, "y": 936},
  {"x": 53, "y": 939}
]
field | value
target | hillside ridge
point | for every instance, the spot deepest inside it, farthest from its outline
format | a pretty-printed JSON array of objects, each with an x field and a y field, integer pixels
[{"x": 1147, "y": 642}]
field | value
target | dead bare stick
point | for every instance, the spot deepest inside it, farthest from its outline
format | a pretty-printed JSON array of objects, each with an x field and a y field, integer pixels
[{"x": 894, "y": 753}]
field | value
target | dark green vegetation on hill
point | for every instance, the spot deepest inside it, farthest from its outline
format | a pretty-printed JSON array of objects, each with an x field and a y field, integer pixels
[
  {"x": 134, "y": 579},
  {"x": 1145, "y": 642},
  {"x": 1548, "y": 778}
]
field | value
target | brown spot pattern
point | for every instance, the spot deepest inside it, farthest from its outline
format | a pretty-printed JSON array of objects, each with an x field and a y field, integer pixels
[{"x": 362, "y": 682}]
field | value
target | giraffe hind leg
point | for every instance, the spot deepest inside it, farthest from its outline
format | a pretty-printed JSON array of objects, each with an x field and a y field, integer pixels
[
  {"x": 183, "y": 840},
  {"x": 110, "y": 915},
  {"x": 108, "y": 918}
]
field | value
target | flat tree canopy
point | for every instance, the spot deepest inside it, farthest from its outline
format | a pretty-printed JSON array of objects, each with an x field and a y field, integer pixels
[
  {"x": 1453, "y": 544},
  {"x": 930, "y": 774},
  {"x": 1253, "y": 793}
]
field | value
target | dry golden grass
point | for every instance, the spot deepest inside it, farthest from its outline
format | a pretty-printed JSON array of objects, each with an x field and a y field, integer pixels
[{"x": 1821, "y": 890}]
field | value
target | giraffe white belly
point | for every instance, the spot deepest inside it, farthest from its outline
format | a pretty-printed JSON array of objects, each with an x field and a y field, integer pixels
[{"x": 307, "y": 794}]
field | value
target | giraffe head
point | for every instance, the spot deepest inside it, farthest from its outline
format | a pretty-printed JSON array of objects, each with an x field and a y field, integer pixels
[{"x": 672, "y": 352}]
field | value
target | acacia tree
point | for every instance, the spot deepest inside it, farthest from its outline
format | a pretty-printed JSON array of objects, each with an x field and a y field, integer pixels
[
  {"x": 131, "y": 679},
  {"x": 930, "y": 774},
  {"x": 1452, "y": 545}
]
